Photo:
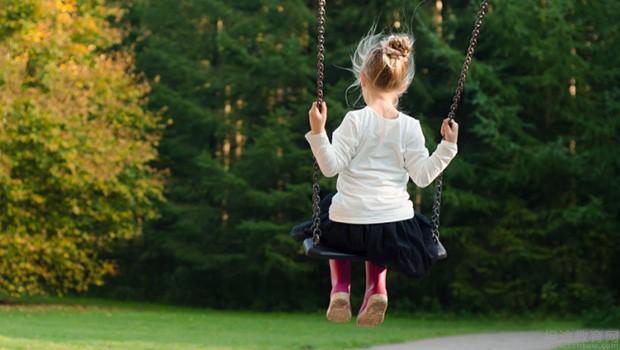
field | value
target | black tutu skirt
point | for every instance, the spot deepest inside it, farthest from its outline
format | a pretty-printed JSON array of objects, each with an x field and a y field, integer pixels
[{"x": 399, "y": 245}]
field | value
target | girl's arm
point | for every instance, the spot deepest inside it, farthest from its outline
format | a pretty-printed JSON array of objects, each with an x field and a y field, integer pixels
[
  {"x": 421, "y": 168},
  {"x": 336, "y": 156}
]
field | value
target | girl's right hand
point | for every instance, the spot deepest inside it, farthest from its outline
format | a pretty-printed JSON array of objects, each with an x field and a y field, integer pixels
[
  {"x": 450, "y": 133},
  {"x": 317, "y": 118}
]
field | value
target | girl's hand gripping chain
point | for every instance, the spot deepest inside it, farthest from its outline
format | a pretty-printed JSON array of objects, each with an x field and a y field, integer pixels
[
  {"x": 318, "y": 118},
  {"x": 450, "y": 130}
]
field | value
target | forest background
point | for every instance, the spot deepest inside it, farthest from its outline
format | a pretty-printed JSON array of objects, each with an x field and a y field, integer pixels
[{"x": 153, "y": 150}]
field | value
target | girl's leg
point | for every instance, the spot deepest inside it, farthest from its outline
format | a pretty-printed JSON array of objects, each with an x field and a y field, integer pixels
[
  {"x": 340, "y": 275},
  {"x": 339, "y": 309},
  {"x": 375, "y": 281},
  {"x": 373, "y": 308}
]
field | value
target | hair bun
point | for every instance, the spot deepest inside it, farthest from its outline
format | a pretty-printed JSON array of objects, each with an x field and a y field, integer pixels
[{"x": 397, "y": 46}]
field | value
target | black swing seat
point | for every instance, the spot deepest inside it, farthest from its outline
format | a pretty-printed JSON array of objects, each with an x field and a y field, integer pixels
[
  {"x": 302, "y": 232},
  {"x": 320, "y": 251}
]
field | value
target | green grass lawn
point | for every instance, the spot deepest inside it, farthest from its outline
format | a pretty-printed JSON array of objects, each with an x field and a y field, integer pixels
[{"x": 86, "y": 324}]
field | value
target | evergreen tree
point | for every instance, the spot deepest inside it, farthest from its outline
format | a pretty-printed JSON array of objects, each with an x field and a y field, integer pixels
[{"x": 232, "y": 82}]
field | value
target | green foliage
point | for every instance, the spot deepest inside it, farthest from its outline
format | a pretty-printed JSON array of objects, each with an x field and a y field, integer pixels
[
  {"x": 232, "y": 82},
  {"x": 602, "y": 317},
  {"x": 75, "y": 145},
  {"x": 551, "y": 239},
  {"x": 530, "y": 216}
]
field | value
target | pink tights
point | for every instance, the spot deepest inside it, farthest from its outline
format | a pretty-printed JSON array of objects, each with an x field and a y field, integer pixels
[
  {"x": 341, "y": 278},
  {"x": 341, "y": 275}
]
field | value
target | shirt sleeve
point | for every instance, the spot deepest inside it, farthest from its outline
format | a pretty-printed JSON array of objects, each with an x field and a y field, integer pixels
[
  {"x": 422, "y": 168},
  {"x": 333, "y": 157}
]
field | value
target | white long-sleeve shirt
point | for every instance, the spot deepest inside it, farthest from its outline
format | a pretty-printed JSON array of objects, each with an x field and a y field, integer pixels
[{"x": 374, "y": 158}]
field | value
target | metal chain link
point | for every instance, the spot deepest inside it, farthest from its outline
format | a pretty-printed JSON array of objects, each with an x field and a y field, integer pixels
[
  {"x": 484, "y": 5},
  {"x": 316, "y": 210}
]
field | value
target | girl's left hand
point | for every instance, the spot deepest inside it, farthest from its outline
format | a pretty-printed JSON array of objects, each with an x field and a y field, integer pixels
[{"x": 317, "y": 118}]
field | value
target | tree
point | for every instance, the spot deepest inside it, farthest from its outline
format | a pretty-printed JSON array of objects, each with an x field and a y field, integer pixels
[
  {"x": 536, "y": 214},
  {"x": 75, "y": 145}
]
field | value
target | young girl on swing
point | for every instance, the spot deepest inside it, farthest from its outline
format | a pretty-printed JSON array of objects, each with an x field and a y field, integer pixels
[{"x": 375, "y": 151}]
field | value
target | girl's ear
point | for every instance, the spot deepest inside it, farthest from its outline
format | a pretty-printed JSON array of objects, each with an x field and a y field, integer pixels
[{"x": 362, "y": 79}]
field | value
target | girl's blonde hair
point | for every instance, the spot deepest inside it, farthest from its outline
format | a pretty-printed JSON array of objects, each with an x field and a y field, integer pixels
[{"x": 385, "y": 59}]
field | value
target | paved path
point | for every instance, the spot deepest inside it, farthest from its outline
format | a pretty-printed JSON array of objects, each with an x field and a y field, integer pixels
[{"x": 508, "y": 341}]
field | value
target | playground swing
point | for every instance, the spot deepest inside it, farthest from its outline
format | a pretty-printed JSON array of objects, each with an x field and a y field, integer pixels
[{"x": 430, "y": 228}]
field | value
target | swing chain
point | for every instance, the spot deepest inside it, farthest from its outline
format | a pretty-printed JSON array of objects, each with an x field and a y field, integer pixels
[
  {"x": 320, "y": 67},
  {"x": 484, "y": 5},
  {"x": 316, "y": 210},
  {"x": 468, "y": 58}
]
